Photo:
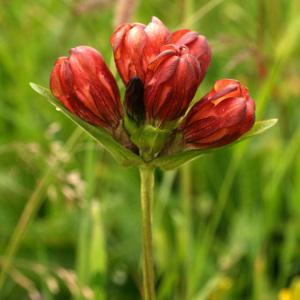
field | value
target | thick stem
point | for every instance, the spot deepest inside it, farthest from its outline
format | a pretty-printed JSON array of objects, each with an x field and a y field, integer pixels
[{"x": 147, "y": 185}]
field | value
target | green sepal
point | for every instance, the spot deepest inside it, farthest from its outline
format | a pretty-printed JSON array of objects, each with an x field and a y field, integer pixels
[
  {"x": 123, "y": 155},
  {"x": 175, "y": 160},
  {"x": 149, "y": 139}
]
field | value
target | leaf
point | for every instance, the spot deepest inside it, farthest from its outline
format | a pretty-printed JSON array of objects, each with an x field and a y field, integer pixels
[
  {"x": 175, "y": 160},
  {"x": 258, "y": 128},
  {"x": 120, "y": 153}
]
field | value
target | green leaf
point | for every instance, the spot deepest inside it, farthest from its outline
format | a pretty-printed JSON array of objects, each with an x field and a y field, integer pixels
[
  {"x": 175, "y": 160},
  {"x": 120, "y": 153},
  {"x": 258, "y": 128}
]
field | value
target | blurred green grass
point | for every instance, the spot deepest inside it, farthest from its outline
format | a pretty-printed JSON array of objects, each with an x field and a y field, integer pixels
[{"x": 226, "y": 226}]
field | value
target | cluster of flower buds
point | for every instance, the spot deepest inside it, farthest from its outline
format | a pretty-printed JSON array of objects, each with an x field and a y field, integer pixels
[{"x": 161, "y": 71}]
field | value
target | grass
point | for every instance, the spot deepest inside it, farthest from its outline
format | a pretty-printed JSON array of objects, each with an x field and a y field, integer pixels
[{"x": 225, "y": 226}]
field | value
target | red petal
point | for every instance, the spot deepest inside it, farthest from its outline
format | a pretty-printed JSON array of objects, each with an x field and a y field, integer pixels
[
  {"x": 85, "y": 86},
  {"x": 201, "y": 128},
  {"x": 221, "y": 117},
  {"x": 171, "y": 82},
  {"x": 157, "y": 36},
  {"x": 197, "y": 45},
  {"x": 136, "y": 45},
  {"x": 231, "y": 111}
]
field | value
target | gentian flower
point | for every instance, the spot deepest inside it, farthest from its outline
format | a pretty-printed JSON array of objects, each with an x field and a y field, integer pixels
[
  {"x": 220, "y": 117},
  {"x": 167, "y": 93},
  {"x": 86, "y": 87},
  {"x": 161, "y": 71},
  {"x": 136, "y": 45}
]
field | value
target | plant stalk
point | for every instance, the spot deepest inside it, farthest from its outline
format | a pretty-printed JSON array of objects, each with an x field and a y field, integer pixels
[
  {"x": 186, "y": 198},
  {"x": 147, "y": 186}
]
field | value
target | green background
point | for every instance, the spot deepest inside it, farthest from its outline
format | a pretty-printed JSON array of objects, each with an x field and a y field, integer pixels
[{"x": 225, "y": 226}]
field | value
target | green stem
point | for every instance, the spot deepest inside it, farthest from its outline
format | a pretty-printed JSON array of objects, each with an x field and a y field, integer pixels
[
  {"x": 186, "y": 198},
  {"x": 147, "y": 185}
]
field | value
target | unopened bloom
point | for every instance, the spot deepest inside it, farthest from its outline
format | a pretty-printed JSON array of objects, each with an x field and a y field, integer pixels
[
  {"x": 136, "y": 45},
  {"x": 220, "y": 117},
  {"x": 86, "y": 87},
  {"x": 172, "y": 80}
]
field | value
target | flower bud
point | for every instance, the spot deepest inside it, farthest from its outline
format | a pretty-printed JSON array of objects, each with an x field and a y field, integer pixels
[
  {"x": 171, "y": 82},
  {"x": 197, "y": 45},
  {"x": 135, "y": 45},
  {"x": 86, "y": 87},
  {"x": 220, "y": 118}
]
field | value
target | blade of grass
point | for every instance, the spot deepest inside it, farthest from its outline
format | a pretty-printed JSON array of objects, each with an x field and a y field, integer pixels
[
  {"x": 91, "y": 255},
  {"x": 200, "y": 13},
  {"x": 274, "y": 185},
  {"x": 97, "y": 253},
  {"x": 83, "y": 242}
]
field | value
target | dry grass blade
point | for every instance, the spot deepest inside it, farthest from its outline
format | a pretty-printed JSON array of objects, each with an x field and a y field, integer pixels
[
  {"x": 29, "y": 211},
  {"x": 124, "y": 10},
  {"x": 25, "y": 283},
  {"x": 88, "y": 6}
]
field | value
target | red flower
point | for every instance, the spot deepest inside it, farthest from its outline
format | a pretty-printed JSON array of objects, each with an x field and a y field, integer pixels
[
  {"x": 172, "y": 80},
  {"x": 136, "y": 45},
  {"x": 86, "y": 87},
  {"x": 220, "y": 118}
]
